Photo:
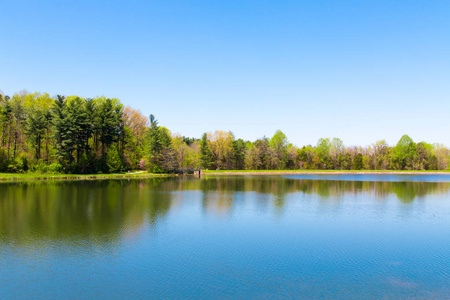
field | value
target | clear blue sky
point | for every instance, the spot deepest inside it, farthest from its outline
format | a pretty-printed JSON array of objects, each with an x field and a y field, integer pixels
[{"x": 358, "y": 70}]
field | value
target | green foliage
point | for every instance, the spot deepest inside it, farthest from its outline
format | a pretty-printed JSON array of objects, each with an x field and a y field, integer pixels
[
  {"x": 278, "y": 150},
  {"x": 62, "y": 131},
  {"x": 114, "y": 160},
  {"x": 358, "y": 162},
  {"x": 404, "y": 154},
  {"x": 238, "y": 154},
  {"x": 41, "y": 167},
  {"x": 77, "y": 135},
  {"x": 161, "y": 153},
  {"x": 323, "y": 152},
  {"x": 156, "y": 169},
  {"x": 189, "y": 141},
  {"x": 55, "y": 168},
  {"x": 206, "y": 157},
  {"x": 36, "y": 125},
  {"x": 108, "y": 121},
  {"x": 3, "y": 160},
  {"x": 259, "y": 155},
  {"x": 278, "y": 141}
]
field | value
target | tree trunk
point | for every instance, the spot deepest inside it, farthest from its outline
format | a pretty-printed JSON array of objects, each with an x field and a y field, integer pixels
[
  {"x": 37, "y": 149},
  {"x": 15, "y": 144},
  {"x": 123, "y": 140},
  {"x": 3, "y": 134},
  {"x": 9, "y": 136},
  {"x": 46, "y": 146},
  {"x": 96, "y": 144}
]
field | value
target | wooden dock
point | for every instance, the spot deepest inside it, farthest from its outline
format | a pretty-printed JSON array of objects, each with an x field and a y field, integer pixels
[{"x": 188, "y": 171}]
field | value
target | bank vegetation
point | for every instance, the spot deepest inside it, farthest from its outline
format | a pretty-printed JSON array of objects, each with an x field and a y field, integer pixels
[{"x": 75, "y": 135}]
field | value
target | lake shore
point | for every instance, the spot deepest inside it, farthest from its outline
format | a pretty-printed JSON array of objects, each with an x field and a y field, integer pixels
[
  {"x": 46, "y": 177},
  {"x": 35, "y": 176},
  {"x": 320, "y": 172}
]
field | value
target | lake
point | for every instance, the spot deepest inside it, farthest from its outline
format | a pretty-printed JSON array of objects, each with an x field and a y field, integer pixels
[{"x": 296, "y": 236}]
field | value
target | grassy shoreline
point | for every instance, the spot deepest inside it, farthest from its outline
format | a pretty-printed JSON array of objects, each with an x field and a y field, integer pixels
[
  {"x": 36, "y": 176},
  {"x": 321, "y": 172}
]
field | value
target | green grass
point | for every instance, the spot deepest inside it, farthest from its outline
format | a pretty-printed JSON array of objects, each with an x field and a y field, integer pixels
[
  {"x": 323, "y": 171},
  {"x": 36, "y": 176}
]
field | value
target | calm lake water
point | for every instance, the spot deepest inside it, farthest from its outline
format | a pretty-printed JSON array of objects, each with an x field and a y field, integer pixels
[{"x": 334, "y": 236}]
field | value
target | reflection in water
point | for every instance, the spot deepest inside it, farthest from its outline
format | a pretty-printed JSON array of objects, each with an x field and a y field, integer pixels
[
  {"x": 224, "y": 237},
  {"x": 110, "y": 208},
  {"x": 96, "y": 210}
]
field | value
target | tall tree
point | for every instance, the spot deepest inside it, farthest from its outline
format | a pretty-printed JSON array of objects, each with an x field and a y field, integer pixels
[
  {"x": 109, "y": 118},
  {"x": 19, "y": 117},
  {"x": 36, "y": 125},
  {"x": 78, "y": 123},
  {"x": 6, "y": 118},
  {"x": 278, "y": 144},
  {"x": 62, "y": 131},
  {"x": 206, "y": 157},
  {"x": 137, "y": 122},
  {"x": 238, "y": 154},
  {"x": 221, "y": 144},
  {"x": 404, "y": 154},
  {"x": 323, "y": 151},
  {"x": 161, "y": 154},
  {"x": 336, "y": 150}
]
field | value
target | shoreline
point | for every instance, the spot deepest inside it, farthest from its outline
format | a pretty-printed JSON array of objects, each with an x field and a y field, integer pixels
[
  {"x": 9, "y": 177},
  {"x": 5, "y": 177},
  {"x": 266, "y": 173}
]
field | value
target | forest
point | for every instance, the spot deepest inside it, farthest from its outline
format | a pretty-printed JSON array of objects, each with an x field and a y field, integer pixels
[{"x": 59, "y": 134}]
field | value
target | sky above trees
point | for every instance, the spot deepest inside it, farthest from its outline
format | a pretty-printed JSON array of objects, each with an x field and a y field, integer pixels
[{"x": 362, "y": 71}]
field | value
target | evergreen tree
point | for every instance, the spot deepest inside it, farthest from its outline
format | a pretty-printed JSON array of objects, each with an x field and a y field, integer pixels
[
  {"x": 161, "y": 154},
  {"x": 238, "y": 154},
  {"x": 154, "y": 144},
  {"x": 78, "y": 123},
  {"x": 206, "y": 156},
  {"x": 36, "y": 125},
  {"x": 166, "y": 159},
  {"x": 358, "y": 162},
  {"x": 107, "y": 122},
  {"x": 114, "y": 159},
  {"x": 6, "y": 117},
  {"x": 63, "y": 131},
  {"x": 19, "y": 119}
]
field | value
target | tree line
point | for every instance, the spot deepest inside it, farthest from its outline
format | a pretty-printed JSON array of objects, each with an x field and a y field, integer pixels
[{"x": 72, "y": 134}]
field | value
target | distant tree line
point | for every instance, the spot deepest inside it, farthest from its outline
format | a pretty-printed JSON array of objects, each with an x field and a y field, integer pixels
[{"x": 71, "y": 134}]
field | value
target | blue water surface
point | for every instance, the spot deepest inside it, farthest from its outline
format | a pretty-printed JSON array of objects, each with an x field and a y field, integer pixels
[{"x": 351, "y": 237}]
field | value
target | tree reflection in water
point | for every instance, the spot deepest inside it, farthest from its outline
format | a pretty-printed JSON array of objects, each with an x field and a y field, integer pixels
[{"x": 108, "y": 210}]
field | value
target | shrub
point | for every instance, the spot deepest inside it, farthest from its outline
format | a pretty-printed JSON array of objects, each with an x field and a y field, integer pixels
[
  {"x": 3, "y": 160},
  {"x": 142, "y": 164},
  {"x": 113, "y": 160},
  {"x": 21, "y": 163},
  {"x": 55, "y": 168}
]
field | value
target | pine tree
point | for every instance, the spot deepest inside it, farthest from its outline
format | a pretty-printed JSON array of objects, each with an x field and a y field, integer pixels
[
  {"x": 160, "y": 149},
  {"x": 238, "y": 154},
  {"x": 36, "y": 125},
  {"x": 114, "y": 160},
  {"x": 108, "y": 119},
  {"x": 77, "y": 118},
  {"x": 206, "y": 156},
  {"x": 63, "y": 131},
  {"x": 358, "y": 162},
  {"x": 5, "y": 119}
]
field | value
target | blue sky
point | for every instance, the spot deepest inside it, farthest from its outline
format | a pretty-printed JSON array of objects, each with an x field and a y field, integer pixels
[{"x": 358, "y": 70}]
